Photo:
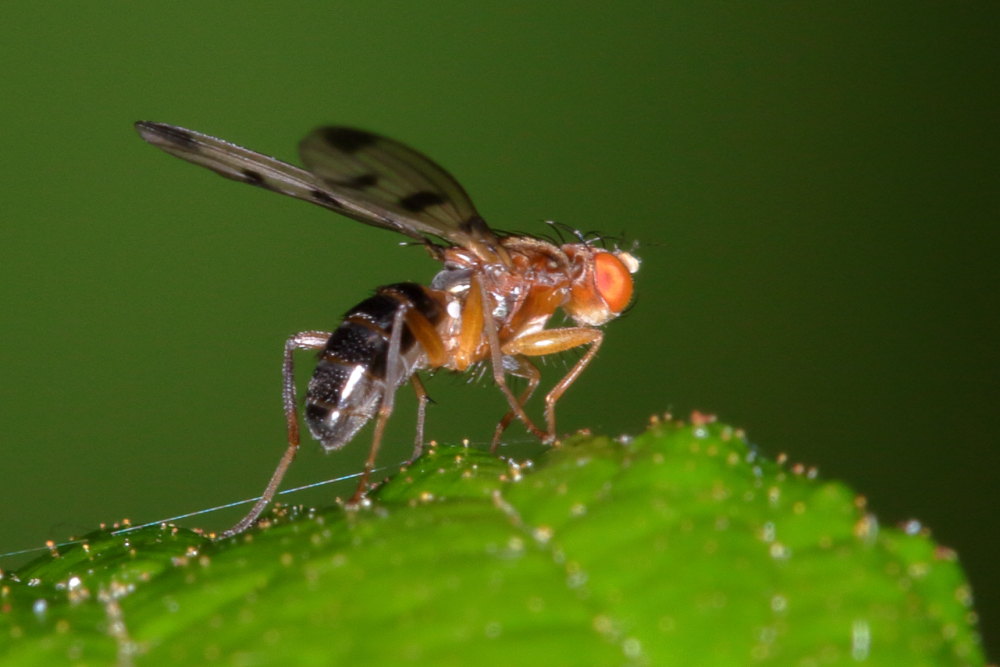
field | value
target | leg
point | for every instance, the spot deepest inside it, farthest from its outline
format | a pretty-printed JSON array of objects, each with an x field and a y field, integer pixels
[
  {"x": 393, "y": 377},
  {"x": 306, "y": 340},
  {"x": 422, "y": 400},
  {"x": 529, "y": 371},
  {"x": 496, "y": 360},
  {"x": 557, "y": 391},
  {"x": 549, "y": 342}
]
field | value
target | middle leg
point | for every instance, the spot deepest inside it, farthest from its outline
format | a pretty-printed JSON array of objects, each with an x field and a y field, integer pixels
[{"x": 528, "y": 371}]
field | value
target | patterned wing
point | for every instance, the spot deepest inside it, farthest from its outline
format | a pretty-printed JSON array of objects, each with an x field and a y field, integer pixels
[
  {"x": 357, "y": 174},
  {"x": 387, "y": 175}
]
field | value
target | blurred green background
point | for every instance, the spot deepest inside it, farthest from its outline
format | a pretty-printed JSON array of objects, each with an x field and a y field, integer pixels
[{"x": 814, "y": 186}]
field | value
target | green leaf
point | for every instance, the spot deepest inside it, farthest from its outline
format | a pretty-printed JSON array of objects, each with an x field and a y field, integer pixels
[{"x": 679, "y": 547}]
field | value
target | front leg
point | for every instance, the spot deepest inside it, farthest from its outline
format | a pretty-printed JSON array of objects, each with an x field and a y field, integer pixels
[{"x": 551, "y": 341}]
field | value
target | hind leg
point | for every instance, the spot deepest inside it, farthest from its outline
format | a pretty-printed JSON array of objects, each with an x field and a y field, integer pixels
[{"x": 306, "y": 340}]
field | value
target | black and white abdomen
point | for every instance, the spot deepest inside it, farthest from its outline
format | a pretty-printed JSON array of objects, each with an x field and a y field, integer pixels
[{"x": 354, "y": 369}]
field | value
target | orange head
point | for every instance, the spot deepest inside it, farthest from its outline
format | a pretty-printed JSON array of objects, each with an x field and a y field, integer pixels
[{"x": 603, "y": 287}]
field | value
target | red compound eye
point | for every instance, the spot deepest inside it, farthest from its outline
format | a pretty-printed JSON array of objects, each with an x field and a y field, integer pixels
[{"x": 613, "y": 280}]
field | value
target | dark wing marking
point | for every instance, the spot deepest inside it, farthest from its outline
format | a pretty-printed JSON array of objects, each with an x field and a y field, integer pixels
[
  {"x": 365, "y": 177},
  {"x": 388, "y": 175}
]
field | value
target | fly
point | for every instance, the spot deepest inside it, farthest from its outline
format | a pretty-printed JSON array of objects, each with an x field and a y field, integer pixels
[{"x": 488, "y": 305}]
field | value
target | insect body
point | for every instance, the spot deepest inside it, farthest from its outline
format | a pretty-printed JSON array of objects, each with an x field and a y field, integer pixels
[{"x": 488, "y": 305}]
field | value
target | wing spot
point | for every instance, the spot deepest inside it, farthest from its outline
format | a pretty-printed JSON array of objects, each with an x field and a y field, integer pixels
[
  {"x": 324, "y": 198},
  {"x": 252, "y": 177},
  {"x": 348, "y": 139},
  {"x": 175, "y": 135},
  {"x": 418, "y": 201},
  {"x": 475, "y": 224},
  {"x": 362, "y": 182}
]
